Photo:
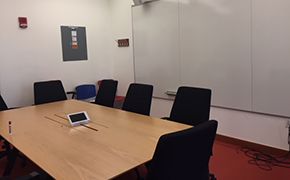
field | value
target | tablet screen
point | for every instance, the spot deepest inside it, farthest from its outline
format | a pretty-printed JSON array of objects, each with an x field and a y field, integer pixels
[{"x": 78, "y": 117}]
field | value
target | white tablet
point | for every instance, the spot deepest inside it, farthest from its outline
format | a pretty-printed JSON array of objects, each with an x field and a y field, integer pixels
[{"x": 78, "y": 118}]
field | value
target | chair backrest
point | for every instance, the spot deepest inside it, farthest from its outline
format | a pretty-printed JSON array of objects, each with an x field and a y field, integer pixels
[
  {"x": 48, "y": 91},
  {"x": 184, "y": 154},
  {"x": 138, "y": 98},
  {"x": 85, "y": 91},
  {"x": 107, "y": 93},
  {"x": 191, "y": 105},
  {"x": 3, "y": 105}
]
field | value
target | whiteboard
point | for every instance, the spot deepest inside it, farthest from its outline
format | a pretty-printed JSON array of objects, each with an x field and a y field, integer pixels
[
  {"x": 271, "y": 56},
  {"x": 156, "y": 46},
  {"x": 216, "y": 49},
  {"x": 238, "y": 48}
]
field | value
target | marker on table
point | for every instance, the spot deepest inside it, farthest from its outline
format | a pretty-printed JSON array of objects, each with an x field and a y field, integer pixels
[{"x": 9, "y": 128}]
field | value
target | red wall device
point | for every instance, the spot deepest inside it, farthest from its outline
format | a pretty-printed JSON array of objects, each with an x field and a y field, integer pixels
[
  {"x": 123, "y": 42},
  {"x": 22, "y": 22}
]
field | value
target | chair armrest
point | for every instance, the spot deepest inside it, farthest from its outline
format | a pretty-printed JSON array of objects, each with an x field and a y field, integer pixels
[
  {"x": 73, "y": 93},
  {"x": 166, "y": 118}
]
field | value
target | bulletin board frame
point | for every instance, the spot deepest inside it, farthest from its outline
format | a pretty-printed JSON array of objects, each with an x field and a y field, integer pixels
[{"x": 74, "y": 43}]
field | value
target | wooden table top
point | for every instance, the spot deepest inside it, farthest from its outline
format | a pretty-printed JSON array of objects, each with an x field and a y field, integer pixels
[{"x": 123, "y": 140}]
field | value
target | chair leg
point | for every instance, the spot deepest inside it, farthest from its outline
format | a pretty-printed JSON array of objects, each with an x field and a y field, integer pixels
[
  {"x": 212, "y": 176},
  {"x": 138, "y": 174},
  {"x": 2, "y": 154},
  {"x": 32, "y": 176},
  {"x": 24, "y": 161},
  {"x": 11, "y": 162},
  {"x": 6, "y": 151}
]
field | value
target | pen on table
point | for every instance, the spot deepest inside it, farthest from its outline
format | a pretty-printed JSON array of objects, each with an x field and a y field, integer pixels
[{"x": 9, "y": 128}]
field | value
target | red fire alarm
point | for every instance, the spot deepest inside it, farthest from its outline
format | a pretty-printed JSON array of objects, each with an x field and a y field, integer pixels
[{"x": 22, "y": 22}]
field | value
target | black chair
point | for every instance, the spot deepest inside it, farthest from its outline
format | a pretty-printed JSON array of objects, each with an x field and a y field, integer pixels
[
  {"x": 3, "y": 105},
  {"x": 106, "y": 93},
  {"x": 6, "y": 145},
  {"x": 48, "y": 91},
  {"x": 184, "y": 154},
  {"x": 191, "y": 105},
  {"x": 138, "y": 99}
]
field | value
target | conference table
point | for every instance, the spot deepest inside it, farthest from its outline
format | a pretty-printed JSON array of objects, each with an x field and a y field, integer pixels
[{"x": 113, "y": 142}]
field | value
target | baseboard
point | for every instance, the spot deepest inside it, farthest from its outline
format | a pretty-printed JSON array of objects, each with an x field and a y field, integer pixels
[{"x": 243, "y": 143}]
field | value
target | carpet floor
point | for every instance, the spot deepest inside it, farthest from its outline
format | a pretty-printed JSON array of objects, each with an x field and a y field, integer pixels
[{"x": 227, "y": 163}]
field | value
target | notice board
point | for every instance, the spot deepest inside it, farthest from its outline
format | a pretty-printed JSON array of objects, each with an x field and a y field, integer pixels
[{"x": 74, "y": 43}]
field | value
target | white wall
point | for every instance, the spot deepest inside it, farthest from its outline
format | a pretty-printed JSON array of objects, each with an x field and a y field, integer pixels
[
  {"x": 262, "y": 129},
  {"x": 35, "y": 53},
  {"x": 122, "y": 57}
]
